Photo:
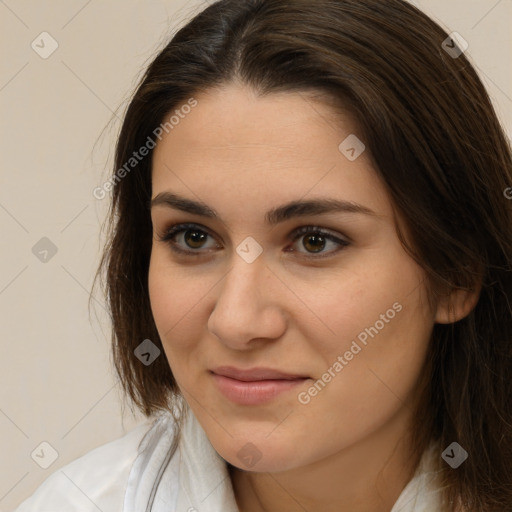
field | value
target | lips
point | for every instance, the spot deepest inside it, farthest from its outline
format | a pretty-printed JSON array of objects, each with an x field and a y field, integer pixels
[
  {"x": 255, "y": 374},
  {"x": 256, "y": 386}
]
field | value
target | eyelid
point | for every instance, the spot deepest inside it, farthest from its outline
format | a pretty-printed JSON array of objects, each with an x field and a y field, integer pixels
[{"x": 179, "y": 228}]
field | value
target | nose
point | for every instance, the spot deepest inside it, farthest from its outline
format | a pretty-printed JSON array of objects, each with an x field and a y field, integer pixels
[{"x": 247, "y": 307}]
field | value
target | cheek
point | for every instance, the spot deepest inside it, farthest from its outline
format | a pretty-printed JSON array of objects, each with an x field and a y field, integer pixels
[
  {"x": 175, "y": 299},
  {"x": 371, "y": 298},
  {"x": 375, "y": 345}
]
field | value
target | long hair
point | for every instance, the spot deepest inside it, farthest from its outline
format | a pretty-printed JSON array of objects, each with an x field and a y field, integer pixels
[{"x": 435, "y": 140}]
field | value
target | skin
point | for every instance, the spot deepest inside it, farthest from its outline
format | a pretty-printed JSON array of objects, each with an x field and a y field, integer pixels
[{"x": 242, "y": 155}]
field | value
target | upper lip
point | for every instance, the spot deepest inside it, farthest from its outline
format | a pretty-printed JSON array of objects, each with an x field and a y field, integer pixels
[{"x": 255, "y": 374}]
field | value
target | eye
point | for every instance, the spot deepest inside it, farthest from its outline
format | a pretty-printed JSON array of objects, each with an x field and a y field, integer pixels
[
  {"x": 189, "y": 234},
  {"x": 315, "y": 239},
  {"x": 189, "y": 238}
]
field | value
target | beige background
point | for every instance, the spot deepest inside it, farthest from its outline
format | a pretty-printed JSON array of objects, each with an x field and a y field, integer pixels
[{"x": 57, "y": 383}]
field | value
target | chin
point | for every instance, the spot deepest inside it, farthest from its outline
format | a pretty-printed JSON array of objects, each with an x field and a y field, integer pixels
[{"x": 260, "y": 457}]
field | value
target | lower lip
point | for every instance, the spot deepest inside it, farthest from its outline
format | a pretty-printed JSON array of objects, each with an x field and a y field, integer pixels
[{"x": 254, "y": 392}]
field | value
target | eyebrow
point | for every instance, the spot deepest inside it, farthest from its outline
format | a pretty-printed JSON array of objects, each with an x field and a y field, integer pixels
[{"x": 274, "y": 216}]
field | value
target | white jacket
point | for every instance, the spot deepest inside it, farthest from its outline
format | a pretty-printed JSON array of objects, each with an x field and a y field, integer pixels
[{"x": 140, "y": 473}]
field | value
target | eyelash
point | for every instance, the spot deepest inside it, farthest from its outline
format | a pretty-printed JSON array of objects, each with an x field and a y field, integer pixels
[{"x": 176, "y": 229}]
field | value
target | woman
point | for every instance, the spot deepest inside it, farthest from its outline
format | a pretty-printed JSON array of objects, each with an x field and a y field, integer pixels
[{"x": 309, "y": 271}]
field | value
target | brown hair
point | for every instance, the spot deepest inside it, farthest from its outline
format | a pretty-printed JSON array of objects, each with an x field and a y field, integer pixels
[{"x": 435, "y": 140}]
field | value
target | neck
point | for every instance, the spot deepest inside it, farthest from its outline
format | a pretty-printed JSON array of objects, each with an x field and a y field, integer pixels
[{"x": 368, "y": 476}]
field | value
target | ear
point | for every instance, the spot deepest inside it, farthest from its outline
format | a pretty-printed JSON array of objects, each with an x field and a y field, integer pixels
[{"x": 457, "y": 304}]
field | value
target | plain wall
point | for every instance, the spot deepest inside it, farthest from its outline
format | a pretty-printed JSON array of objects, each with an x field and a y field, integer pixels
[{"x": 57, "y": 380}]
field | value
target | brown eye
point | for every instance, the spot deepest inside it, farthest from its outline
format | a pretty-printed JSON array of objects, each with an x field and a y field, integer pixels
[
  {"x": 187, "y": 239},
  {"x": 194, "y": 238},
  {"x": 316, "y": 239},
  {"x": 314, "y": 243}
]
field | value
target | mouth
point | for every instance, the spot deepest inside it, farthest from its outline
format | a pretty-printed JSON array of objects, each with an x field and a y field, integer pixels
[{"x": 256, "y": 386}]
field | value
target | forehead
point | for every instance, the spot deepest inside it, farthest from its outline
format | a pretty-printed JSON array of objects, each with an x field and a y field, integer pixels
[
  {"x": 235, "y": 117},
  {"x": 283, "y": 146}
]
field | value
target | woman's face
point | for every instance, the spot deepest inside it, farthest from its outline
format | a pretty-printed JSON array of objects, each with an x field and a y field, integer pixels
[{"x": 342, "y": 306}]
